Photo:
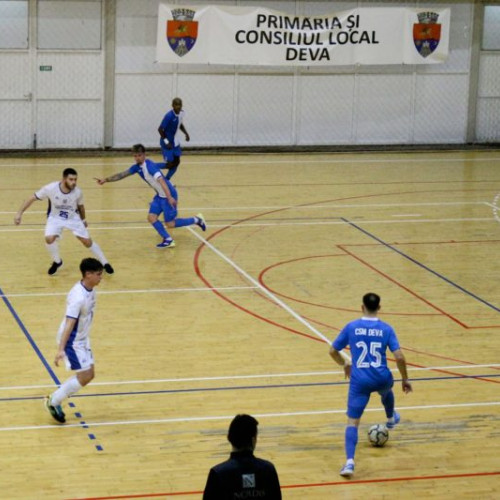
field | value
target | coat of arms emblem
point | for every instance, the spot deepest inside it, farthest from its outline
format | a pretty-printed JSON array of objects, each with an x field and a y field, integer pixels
[
  {"x": 182, "y": 31},
  {"x": 426, "y": 33}
]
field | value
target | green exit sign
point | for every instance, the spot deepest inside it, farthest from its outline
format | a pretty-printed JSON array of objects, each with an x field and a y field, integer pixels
[{"x": 45, "y": 68}]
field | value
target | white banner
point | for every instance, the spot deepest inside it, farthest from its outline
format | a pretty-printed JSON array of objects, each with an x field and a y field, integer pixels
[{"x": 263, "y": 37}]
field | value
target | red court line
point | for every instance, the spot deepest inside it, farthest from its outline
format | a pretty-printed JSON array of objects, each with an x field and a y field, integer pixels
[
  {"x": 447, "y": 372},
  {"x": 221, "y": 295},
  {"x": 323, "y": 306},
  {"x": 312, "y": 320},
  {"x": 425, "y": 353},
  {"x": 482, "y": 327},
  {"x": 227, "y": 299},
  {"x": 450, "y": 242},
  {"x": 411, "y": 292},
  {"x": 311, "y": 485},
  {"x": 373, "y": 268},
  {"x": 394, "y": 479},
  {"x": 256, "y": 216},
  {"x": 411, "y": 349}
]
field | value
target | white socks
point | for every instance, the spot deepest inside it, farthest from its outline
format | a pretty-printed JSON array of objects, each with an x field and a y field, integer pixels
[
  {"x": 96, "y": 250},
  {"x": 68, "y": 388},
  {"x": 53, "y": 249}
]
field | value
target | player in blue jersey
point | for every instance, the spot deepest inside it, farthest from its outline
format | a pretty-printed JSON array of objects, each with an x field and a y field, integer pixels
[
  {"x": 169, "y": 141},
  {"x": 165, "y": 199},
  {"x": 368, "y": 339}
]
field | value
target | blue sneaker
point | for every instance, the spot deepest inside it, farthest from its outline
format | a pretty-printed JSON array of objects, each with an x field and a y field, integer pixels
[
  {"x": 397, "y": 419},
  {"x": 201, "y": 222},
  {"x": 167, "y": 242},
  {"x": 347, "y": 470}
]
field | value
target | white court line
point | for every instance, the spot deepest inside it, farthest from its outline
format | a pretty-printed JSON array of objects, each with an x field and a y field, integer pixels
[
  {"x": 263, "y": 289},
  {"x": 285, "y": 162},
  {"x": 152, "y": 290},
  {"x": 407, "y": 215},
  {"x": 228, "y": 418},
  {"x": 123, "y": 227},
  {"x": 496, "y": 207},
  {"x": 285, "y": 207},
  {"x": 244, "y": 377}
]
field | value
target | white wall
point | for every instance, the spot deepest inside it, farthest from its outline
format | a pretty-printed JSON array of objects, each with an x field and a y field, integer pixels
[
  {"x": 63, "y": 107},
  {"x": 488, "y": 103},
  {"x": 246, "y": 106},
  {"x": 227, "y": 105}
]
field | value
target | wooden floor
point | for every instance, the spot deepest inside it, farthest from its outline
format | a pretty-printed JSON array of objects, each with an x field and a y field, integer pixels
[{"x": 235, "y": 320}]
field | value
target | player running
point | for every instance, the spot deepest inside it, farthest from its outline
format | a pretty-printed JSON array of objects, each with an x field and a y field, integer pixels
[
  {"x": 165, "y": 199},
  {"x": 73, "y": 337}
]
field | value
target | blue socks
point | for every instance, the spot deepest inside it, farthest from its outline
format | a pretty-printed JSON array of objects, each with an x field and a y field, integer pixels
[
  {"x": 160, "y": 228},
  {"x": 388, "y": 402},
  {"x": 351, "y": 440},
  {"x": 171, "y": 173},
  {"x": 185, "y": 222}
]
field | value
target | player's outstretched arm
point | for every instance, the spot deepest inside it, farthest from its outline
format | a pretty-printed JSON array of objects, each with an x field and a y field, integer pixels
[
  {"x": 401, "y": 362},
  {"x": 26, "y": 204},
  {"x": 116, "y": 177}
]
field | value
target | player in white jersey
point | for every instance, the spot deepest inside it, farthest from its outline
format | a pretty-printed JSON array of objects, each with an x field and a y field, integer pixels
[
  {"x": 66, "y": 211},
  {"x": 73, "y": 337}
]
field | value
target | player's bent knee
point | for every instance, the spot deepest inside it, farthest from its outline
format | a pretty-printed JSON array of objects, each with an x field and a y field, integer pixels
[
  {"x": 354, "y": 422},
  {"x": 86, "y": 242},
  {"x": 50, "y": 239},
  {"x": 152, "y": 218},
  {"x": 85, "y": 377}
]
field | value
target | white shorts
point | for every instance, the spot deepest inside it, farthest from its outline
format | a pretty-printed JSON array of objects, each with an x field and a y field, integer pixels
[
  {"x": 55, "y": 226},
  {"x": 78, "y": 357}
]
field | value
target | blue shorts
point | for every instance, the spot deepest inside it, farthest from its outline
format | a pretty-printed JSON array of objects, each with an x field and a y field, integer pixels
[
  {"x": 170, "y": 154},
  {"x": 159, "y": 205},
  {"x": 359, "y": 395}
]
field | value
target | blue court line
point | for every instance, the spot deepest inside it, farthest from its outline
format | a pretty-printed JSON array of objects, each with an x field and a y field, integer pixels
[
  {"x": 246, "y": 387},
  {"x": 29, "y": 338},
  {"x": 423, "y": 266}
]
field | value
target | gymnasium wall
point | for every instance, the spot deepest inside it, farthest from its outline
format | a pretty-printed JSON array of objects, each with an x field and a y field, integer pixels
[
  {"x": 103, "y": 87},
  {"x": 488, "y": 95}
]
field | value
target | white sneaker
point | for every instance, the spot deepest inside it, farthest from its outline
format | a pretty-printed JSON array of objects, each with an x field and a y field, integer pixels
[{"x": 347, "y": 470}]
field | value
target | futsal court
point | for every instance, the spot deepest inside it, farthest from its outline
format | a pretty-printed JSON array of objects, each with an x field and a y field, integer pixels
[{"x": 238, "y": 320}]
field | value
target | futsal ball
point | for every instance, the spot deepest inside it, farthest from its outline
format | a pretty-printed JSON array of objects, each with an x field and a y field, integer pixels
[{"x": 378, "y": 435}]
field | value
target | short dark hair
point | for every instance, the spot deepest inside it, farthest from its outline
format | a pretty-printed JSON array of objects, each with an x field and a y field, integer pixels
[
  {"x": 372, "y": 302},
  {"x": 177, "y": 100},
  {"x": 90, "y": 265},
  {"x": 69, "y": 171},
  {"x": 242, "y": 430},
  {"x": 138, "y": 148}
]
